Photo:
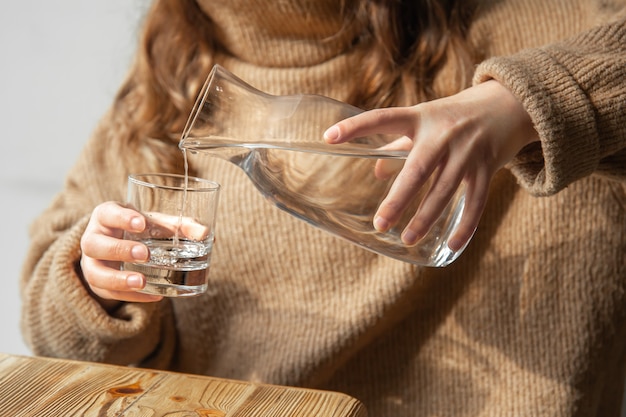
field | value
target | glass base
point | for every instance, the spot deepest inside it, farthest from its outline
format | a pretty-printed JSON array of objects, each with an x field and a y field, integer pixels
[{"x": 170, "y": 290}]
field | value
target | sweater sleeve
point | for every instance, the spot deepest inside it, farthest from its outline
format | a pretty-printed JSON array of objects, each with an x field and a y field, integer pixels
[
  {"x": 575, "y": 93},
  {"x": 59, "y": 316}
]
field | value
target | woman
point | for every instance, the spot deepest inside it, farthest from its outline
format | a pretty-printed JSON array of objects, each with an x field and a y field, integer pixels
[{"x": 529, "y": 320}]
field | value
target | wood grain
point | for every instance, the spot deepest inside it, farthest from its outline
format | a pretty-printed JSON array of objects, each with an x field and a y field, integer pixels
[{"x": 35, "y": 386}]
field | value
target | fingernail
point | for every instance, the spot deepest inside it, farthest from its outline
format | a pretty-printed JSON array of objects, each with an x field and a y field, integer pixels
[
  {"x": 136, "y": 223},
  {"x": 331, "y": 134},
  {"x": 455, "y": 244},
  {"x": 139, "y": 253},
  {"x": 381, "y": 224},
  {"x": 409, "y": 237},
  {"x": 134, "y": 281}
]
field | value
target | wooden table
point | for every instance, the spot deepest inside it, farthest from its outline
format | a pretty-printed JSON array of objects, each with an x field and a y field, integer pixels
[{"x": 35, "y": 386}]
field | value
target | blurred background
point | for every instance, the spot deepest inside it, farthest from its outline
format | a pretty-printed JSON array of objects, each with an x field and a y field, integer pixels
[{"x": 62, "y": 62}]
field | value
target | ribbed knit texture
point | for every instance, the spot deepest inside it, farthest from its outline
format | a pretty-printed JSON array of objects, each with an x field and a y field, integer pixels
[{"x": 529, "y": 321}]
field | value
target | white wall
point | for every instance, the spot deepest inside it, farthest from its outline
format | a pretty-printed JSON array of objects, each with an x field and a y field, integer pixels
[{"x": 61, "y": 62}]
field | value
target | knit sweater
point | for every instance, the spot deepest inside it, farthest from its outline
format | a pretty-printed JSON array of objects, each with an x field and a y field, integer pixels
[{"x": 530, "y": 320}]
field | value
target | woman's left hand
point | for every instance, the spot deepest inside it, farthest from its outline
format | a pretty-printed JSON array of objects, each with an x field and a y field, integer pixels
[{"x": 466, "y": 138}]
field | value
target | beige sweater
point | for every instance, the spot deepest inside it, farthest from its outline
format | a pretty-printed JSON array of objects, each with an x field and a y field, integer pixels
[{"x": 530, "y": 320}]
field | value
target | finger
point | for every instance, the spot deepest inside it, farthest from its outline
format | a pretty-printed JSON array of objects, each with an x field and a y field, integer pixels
[
  {"x": 397, "y": 120},
  {"x": 112, "y": 218},
  {"x": 166, "y": 226},
  {"x": 99, "y": 246},
  {"x": 387, "y": 168},
  {"x": 431, "y": 207},
  {"x": 193, "y": 230},
  {"x": 112, "y": 284},
  {"x": 419, "y": 166},
  {"x": 105, "y": 276},
  {"x": 131, "y": 296},
  {"x": 476, "y": 194}
]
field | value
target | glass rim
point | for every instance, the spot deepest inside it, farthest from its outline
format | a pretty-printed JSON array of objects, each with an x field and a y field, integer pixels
[{"x": 195, "y": 184}]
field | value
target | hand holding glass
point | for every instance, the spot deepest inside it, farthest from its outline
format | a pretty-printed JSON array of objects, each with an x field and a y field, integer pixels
[{"x": 180, "y": 223}]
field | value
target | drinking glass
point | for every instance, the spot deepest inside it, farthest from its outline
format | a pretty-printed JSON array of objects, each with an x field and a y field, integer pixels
[{"x": 180, "y": 222}]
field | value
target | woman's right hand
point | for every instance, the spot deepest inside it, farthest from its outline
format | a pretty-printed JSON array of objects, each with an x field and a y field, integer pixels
[{"x": 104, "y": 248}]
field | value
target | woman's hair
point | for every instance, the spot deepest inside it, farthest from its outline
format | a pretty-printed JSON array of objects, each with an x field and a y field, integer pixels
[
  {"x": 409, "y": 43},
  {"x": 405, "y": 45}
]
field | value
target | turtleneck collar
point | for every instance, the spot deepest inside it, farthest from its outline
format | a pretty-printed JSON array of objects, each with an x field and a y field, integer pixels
[{"x": 281, "y": 33}]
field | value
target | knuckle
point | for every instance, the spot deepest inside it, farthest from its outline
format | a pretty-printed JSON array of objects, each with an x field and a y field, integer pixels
[
  {"x": 392, "y": 209},
  {"x": 117, "y": 282},
  {"x": 394, "y": 205},
  {"x": 86, "y": 244},
  {"x": 445, "y": 188},
  {"x": 121, "y": 250},
  {"x": 90, "y": 276},
  {"x": 100, "y": 210},
  {"x": 414, "y": 174},
  {"x": 384, "y": 115}
]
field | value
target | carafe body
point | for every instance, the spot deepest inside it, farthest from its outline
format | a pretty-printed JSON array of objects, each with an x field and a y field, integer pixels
[{"x": 277, "y": 141}]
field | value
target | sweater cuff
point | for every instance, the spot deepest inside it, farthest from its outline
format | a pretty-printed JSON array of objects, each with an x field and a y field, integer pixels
[
  {"x": 561, "y": 114},
  {"x": 77, "y": 322}
]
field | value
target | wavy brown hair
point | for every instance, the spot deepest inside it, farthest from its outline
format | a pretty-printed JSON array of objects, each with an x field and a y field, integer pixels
[
  {"x": 405, "y": 44},
  {"x": 409, "y": 42}
]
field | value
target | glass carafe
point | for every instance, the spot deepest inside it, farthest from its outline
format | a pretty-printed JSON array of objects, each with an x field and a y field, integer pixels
[{"x": 277, "y": 141}]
